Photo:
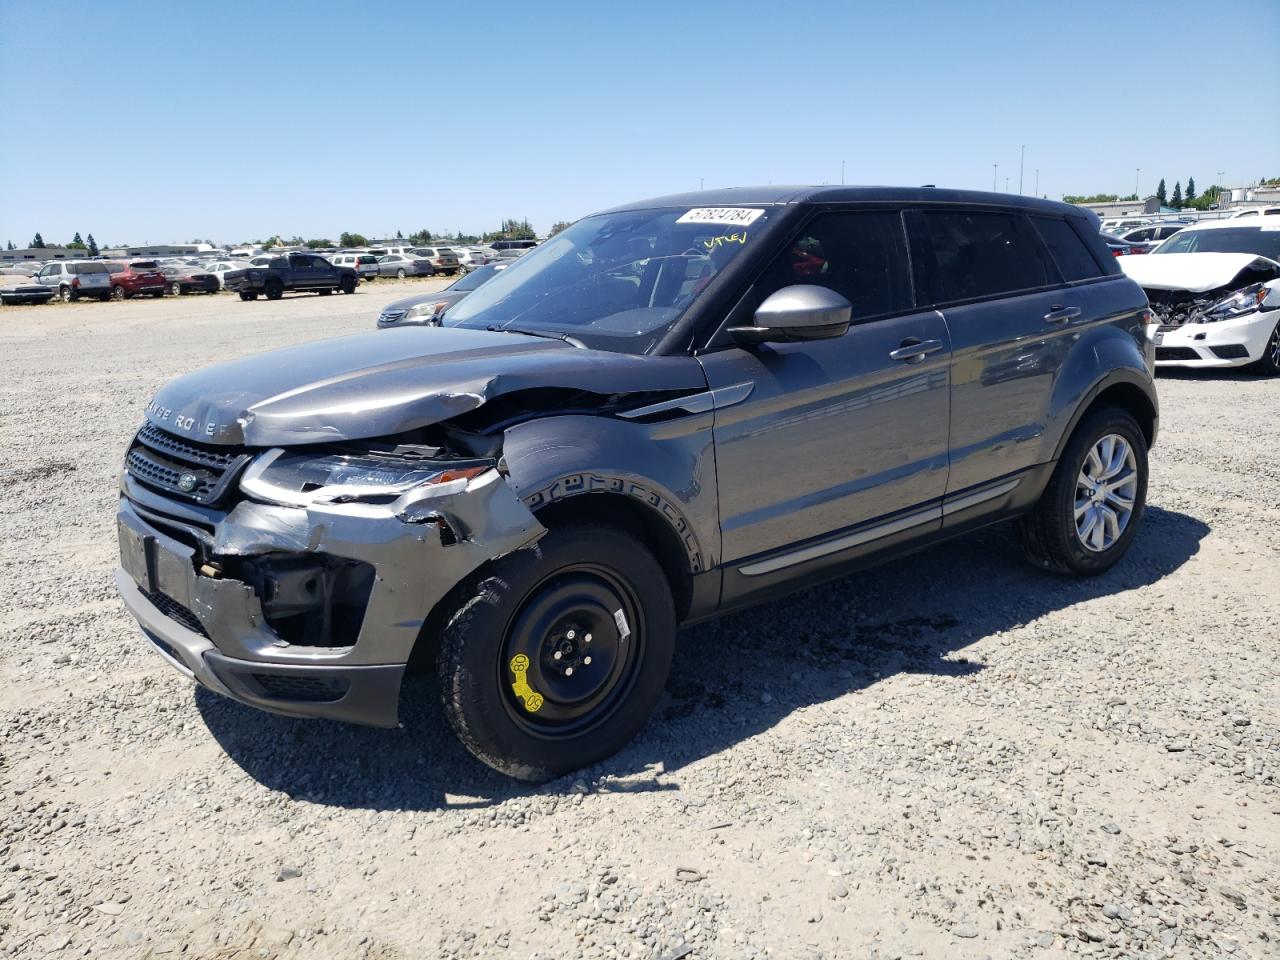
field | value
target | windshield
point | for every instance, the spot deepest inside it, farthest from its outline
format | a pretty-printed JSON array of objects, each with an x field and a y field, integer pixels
[
  {"x": 615, "y": 281},
  {"x": 1256, "y": 240}
]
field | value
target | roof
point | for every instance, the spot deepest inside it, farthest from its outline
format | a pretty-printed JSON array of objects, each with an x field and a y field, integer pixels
[
  {"x": 736, "y": 196},
  {"x": 1238, "y": 223}
]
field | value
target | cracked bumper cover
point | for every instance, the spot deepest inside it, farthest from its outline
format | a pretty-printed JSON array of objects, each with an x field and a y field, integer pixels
[{"x": 214, "y": 630}]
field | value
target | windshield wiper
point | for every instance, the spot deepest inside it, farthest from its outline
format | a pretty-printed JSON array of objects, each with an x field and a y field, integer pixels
[{"x": 495, "y": 328}]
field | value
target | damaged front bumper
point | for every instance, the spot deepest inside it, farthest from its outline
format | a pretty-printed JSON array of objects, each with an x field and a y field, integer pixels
[
  {"x": 1223, "y": 343},
  {"x": 307, "y": 611}
]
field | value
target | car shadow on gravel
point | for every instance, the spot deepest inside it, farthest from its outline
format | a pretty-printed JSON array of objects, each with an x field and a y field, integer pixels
[{"x": 732, "y": 678}]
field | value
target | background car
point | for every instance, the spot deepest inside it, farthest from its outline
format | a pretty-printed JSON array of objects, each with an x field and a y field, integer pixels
[
  {"x": 426, "y": 309},
  {"x": 1151, "y": 236},
  {"x": 395, "y": 265},
  {"x": 1120, "y": 247},
  {"x": 131, "y": 278},
  {"x": 219, "y": 267},
  {"x": 183, "y": 278},
  {"x": 365, "y": 264},
  {"x": 1257, "y": 212},
  {"x": 17, "y": 288},
  {"x": 443, "y": 259},
  {"x": 73, "y": 279}
]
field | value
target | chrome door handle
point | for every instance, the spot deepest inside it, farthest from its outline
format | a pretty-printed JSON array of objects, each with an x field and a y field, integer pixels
[
  {"x": 913, "y": 350},
  {"x": 1060, "y": 314}
]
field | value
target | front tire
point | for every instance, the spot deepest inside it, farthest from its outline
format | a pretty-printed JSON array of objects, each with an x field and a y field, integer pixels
[
  {"x": 400, "y": 274},
  {"x": 248, "y": 295},
  {"x": 553, "y": 657},
  {"x": 66, "y": 294},
  {"x": 1089, "y": 512},
  {"x": 348, "y": 285},
  {"x": 117, "y": 292},
  {"x": 274, "y": 290},
  {"x": 1268, "y": 365},
  {"x": 175, "y": 289}
]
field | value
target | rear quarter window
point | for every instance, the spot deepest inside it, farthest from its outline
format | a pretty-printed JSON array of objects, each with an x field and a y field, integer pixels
[
  {"x": 1073, "y": 258},
  {"x": 982, "y": 254}
]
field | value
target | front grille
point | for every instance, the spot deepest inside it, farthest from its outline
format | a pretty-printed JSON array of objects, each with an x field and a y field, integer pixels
[
  {"x": 390, "y": 316},
  {"x": 312, "y": 689},
  {"x": 175, "y": 611},
  {"x": 183, "y": 468},
  {"x": 1176, "y": 353},
  {"x": 1232, "y": 351}
]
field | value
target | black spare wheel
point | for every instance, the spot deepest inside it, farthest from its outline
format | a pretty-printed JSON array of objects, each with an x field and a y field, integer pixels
[{"x": 553, "y": 657}]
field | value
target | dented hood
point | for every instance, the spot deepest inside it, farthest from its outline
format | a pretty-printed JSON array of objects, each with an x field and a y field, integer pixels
[
  {"x": 1193, "y": 272},
  {"x": 386, "y": 382}
]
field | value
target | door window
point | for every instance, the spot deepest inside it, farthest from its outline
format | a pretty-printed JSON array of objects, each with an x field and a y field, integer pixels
[
  {"x": 861, "y": 256},
  {"x": 1067, "y": 249},
  {"x": 980, "y": 254}
]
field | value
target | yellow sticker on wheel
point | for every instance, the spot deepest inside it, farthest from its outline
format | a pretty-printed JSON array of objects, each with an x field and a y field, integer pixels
[{"x": 531, "y": 698}]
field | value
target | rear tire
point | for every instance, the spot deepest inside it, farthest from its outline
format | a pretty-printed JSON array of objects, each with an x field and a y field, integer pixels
[
  {"x": 1081, "y": 527},
  {"x": 175, "y": 289},
  {"x": 348, "y": 285},
  {"x": 514, "y": 703},
  {"x": 67, "y": 295},
  {"x": 274, "y": 289},
  {"x": 117, "y": 293},
  {"x": 400, "y": 274},
  {"x": 246, "y": 295},
  {"x": 1268, "y": 365}
]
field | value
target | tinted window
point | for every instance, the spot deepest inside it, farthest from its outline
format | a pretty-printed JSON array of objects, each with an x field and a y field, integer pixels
[
  {"x": 1068, "y": 250},
  {"x": 144, "y": 265},
  {"x": 861, "y": 256},
  {"x": 982, "y": 255},
  {"x": 87, "y": 268}
]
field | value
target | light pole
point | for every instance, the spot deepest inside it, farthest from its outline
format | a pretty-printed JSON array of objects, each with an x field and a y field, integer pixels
[
  {"x": 1006, "y": 184},
  {"x": 842, "y": 173},
  {"x": 1037, "y": 181},
  {"x": 1022, "y": 155},
  {"x": 1137, "y": 172},
  {"x": 701, "y": 181},
  {"x": 995, "y": 168}
]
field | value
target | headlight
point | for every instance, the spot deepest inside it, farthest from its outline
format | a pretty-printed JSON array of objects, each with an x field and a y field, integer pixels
[
  {"x": 420, "y": 311},
  {"x": 1246, "y": 300},
  {"x": 300, "y": 478}
]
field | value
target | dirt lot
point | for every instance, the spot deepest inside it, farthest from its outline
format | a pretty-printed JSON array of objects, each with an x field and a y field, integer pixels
[{"x": 952, "y": 756}]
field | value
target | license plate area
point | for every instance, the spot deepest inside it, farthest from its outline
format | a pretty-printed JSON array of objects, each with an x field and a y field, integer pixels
[{"x": 156, "y": 563}]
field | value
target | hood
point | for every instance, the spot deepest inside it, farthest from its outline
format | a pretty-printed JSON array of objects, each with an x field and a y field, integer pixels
[
  {"x": 389, "y": 381},
  {"x": 1193, "y": 272}
]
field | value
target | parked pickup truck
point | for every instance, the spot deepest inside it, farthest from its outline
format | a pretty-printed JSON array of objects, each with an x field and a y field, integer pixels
[{"x": 297, "y": 271}]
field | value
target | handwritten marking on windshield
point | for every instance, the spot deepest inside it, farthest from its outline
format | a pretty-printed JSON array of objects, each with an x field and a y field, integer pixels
[{"x": 715, "y": 242}]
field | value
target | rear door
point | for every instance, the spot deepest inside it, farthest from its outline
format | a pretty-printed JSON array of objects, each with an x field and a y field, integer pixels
[
  {"x": 815, "y": 438},
  {"x": 1001, "y": 281}
]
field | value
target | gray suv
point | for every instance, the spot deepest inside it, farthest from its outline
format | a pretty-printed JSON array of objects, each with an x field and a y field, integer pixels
[{"x": 669, "y": 410}]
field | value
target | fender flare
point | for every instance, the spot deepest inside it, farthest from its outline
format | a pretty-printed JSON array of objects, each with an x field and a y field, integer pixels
[{"x": 1115, "y": 377}]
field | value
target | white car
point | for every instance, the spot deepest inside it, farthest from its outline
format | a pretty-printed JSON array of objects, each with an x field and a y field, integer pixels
[
  {"x": 1257, "y": 212},
  {"x": 365, "y": 264},
  {"x": 1215, "y": 289},
  {"x": 220, "y": 267}
]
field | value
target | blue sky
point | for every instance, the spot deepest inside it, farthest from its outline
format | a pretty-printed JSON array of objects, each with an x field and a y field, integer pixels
[{"x": 158, "y": 122}]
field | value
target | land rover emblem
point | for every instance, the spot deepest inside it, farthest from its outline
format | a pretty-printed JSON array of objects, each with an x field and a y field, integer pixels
[{"x": 187, "y": 482}]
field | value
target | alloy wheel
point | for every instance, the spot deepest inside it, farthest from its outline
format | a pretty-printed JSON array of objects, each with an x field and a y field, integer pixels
[{"x": 1105, "y": 492}]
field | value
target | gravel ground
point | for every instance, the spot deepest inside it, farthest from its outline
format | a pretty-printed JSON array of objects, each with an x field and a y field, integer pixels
[{"x": 951, "y": 756}]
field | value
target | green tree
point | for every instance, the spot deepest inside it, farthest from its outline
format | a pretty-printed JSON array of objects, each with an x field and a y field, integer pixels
[
  {"x": 352, "y": 240},
  {"x": 1162, "y": 193},
  {"x": 1190, "y": 195},
  {"x": 317, "y": 244},
  {"x": 558, "y": 226},
  {"x": 93, "y": 246},
  {"x": 1176, "y": 200},
  {"x": 11, "y": 246},
  {"x": 1093, "y": 198},
  {"x": 76, "y": 243},
  {"x": 513, "y": 230},
  {"x": 37, "y": 242},
  {"x": 422, "y": 236},
  {"x": 399, "y": 235}
]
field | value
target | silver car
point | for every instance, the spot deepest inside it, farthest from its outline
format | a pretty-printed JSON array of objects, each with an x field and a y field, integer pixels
[
  {"x": 395, "y": 265},
  {"x": 365, "y": 264},
  {"x": 442, "y": 258},
  {"x": 73, "y": 279}
]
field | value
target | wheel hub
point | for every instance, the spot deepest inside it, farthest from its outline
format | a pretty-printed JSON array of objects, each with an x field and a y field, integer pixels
[{"x": 1105, "y": 493}]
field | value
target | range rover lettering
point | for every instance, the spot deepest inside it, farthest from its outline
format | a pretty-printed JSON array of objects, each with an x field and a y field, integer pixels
[{"x": 669, "y": 410}]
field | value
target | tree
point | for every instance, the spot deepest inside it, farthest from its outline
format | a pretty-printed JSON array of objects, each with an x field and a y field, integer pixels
[
  {"x": 558, "y": 226},
  {"x": 1191, "y": 190},
  {"x": 1162, "y": 194},
  {"x": 399, "y": 235},
  {"x": 37, "y": 242},
  {"x": 93, "y": 246},
  {"x": 1176, "y": 200},
  {"x": 317, "y": 244},
  {"x": 11, "y": 246},
  {"x": 422, "y": 236},
  {"x": 352, "y": 240},
  {"x": 513, "y": 230},
  {"x": 1094, "y": 198}
]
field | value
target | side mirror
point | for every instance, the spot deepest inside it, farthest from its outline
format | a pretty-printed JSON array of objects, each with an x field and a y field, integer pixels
[{"x": 800, "y": 312}]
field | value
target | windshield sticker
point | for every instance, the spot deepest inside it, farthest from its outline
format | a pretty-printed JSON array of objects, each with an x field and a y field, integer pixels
[
  {"x": 730, "y": 216},
  {"x": 724, "y": 238}
]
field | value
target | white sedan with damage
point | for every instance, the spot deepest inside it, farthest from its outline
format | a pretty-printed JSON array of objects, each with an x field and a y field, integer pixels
[{"x": 1215, "y": 290}]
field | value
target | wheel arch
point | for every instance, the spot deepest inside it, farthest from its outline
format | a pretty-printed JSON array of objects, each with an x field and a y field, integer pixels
[{"x": 1124, "y": 390}]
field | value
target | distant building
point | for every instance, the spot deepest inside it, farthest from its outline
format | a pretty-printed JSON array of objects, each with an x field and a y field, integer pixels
[
  {"x": 161, "y": 250},
  {"x": 1124, "y": 208},
  {"x": 42, "y": 253}
]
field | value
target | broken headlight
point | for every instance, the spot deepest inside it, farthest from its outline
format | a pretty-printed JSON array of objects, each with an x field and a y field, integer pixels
[
  {"x": 300, "y": 478},
  {"x": 1245, "y": 300}
]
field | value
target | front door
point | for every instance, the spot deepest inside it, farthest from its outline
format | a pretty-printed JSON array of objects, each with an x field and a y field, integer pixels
[{"x": 839, "y": 432}]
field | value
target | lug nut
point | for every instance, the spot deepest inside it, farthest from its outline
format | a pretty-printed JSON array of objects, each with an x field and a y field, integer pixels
[
  {"x": 557, "y": 655},
  {"x": 586, "y": 661},
  {"x": 568, "y": 671},
  {"x": 586, "y": 637},
  {"x": 570, "y": 634}
]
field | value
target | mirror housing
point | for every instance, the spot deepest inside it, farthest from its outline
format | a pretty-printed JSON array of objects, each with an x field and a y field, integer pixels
[{"x": 797, "y": 313}]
